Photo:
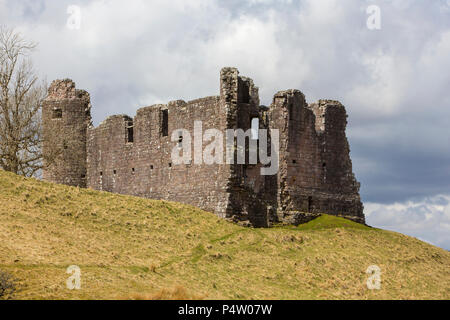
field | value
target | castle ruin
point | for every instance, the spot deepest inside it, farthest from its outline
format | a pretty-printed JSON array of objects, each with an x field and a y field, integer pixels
[{"x": 133, "y": 155}]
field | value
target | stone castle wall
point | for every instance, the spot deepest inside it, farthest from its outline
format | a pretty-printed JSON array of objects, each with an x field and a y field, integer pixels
[
  {"x": 66, "y": 116},
  {"x": 133, "y": 155},
  {"x": 143, "y": 167},
  {"x": 315, "y": 173}
]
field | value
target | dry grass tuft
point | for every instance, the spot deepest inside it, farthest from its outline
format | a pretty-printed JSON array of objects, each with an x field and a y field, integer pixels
[{"x": 177, "y": 293}]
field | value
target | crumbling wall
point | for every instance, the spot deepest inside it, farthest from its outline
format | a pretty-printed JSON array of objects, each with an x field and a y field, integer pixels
[
  {"x": 340, "y": 187},
  {"x": 66, "y": 117},
  {"x": 315, "y": 174},
  {"x": 144, "y": 167},
  {"x": 249, "y": 197},
  {"x": 134, "y": 155}
]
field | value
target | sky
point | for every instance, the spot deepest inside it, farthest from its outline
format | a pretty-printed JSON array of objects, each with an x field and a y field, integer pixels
[{"x": 394, "y": 80}]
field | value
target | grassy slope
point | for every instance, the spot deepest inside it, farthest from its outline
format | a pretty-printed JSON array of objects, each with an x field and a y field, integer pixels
[{"x": 126, "y": 246}]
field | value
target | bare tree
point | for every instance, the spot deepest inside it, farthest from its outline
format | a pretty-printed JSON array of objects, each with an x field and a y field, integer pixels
[{"x": 21, "y": 100}]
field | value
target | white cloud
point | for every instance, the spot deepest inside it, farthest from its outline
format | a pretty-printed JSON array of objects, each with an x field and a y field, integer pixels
[
  {"x": 174, "y": 49},
  {"x": 427, "y": 219}
]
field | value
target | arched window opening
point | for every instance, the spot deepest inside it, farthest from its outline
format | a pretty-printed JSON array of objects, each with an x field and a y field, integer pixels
[
  {"x": 165, "y": 123},
  {"x": 130, "y": 133},
  {"x": 57, "y": 113},
  {"x": 310, "y": 204}
]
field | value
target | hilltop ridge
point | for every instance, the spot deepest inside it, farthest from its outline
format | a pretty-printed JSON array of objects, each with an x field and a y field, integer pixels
[{"x": 128, "y": 247}]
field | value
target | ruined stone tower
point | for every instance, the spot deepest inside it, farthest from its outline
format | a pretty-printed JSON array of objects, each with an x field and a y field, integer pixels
[
  {"x": 66, "y": 116},
  {"x": 134, "y": 155},
  {"x": 315, "y": 173}
]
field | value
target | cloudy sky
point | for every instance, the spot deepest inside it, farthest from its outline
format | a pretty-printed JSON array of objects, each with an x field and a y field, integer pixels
[{"x": 395, "y": 81}]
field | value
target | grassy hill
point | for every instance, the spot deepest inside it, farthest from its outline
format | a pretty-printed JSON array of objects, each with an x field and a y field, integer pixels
[{"x": 129, "y": 247}]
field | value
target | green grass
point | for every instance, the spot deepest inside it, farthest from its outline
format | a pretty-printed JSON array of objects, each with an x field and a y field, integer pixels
[
  {"x": 133, "y": 248},
  {"x": 330, "y": 222}
]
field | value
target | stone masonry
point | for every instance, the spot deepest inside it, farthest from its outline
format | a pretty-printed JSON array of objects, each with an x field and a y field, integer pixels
[{"x": 133, "y": 155}]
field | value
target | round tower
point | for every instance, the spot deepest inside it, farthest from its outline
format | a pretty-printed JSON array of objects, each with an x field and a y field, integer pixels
[{"x": 66, "y": 116}]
